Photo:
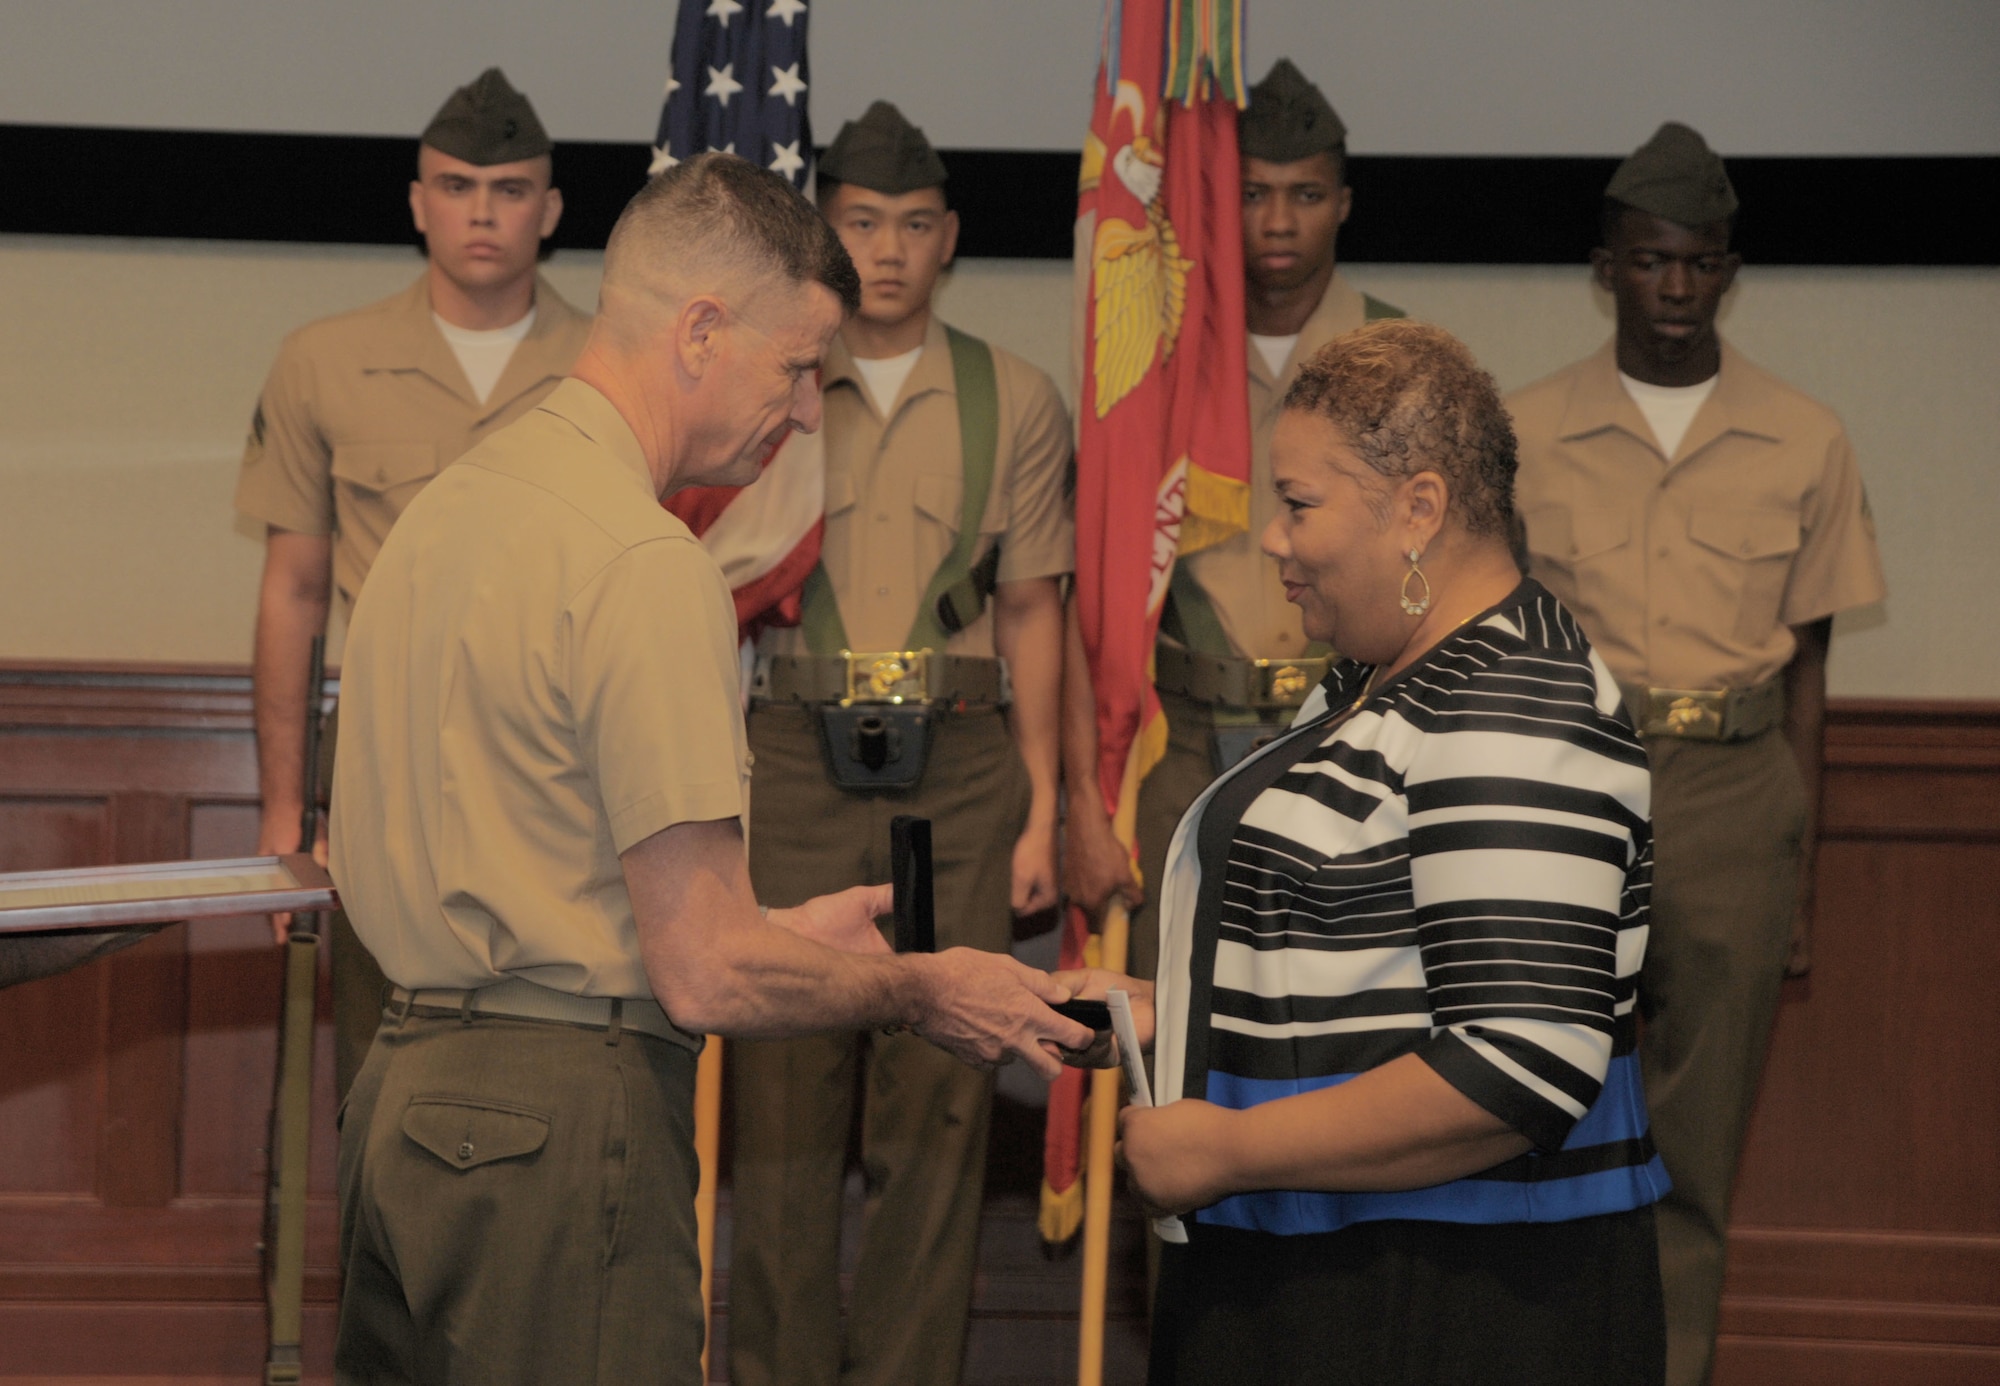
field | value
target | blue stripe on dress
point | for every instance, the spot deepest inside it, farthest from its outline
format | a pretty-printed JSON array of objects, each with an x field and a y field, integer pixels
[{"x": 1618, "y": 1115}]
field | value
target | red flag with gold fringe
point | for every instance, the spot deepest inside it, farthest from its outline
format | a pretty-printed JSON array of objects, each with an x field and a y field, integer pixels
[{"x": 1163, "y": 454}]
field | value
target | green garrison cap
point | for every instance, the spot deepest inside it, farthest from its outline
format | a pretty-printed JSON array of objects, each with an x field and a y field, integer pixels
[
  {"x": 882, "y": 151},
  {"x": 1677, "y": 176},
  {"x": 487, "y": 122},
  {"x": 1288, "y": 119}
]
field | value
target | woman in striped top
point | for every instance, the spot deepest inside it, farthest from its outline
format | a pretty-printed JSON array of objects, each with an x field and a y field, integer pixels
[{"x": 1399, "y": 944}]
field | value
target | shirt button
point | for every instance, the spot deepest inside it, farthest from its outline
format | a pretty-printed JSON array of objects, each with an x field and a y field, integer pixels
[
  {"x": 1745, "y": 546},
  {"x": 1666, "y": 552},
  {"x": 465, "y": 1150},
  {"x": 883, "y": 516},
  {"x": 381, "y": 474},
  {"x": 1662, "y": 621},
  {"x": 881, "y": 591}
]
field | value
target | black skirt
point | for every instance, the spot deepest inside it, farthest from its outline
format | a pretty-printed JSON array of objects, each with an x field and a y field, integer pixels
[{"x": 1414, "y": 1304}]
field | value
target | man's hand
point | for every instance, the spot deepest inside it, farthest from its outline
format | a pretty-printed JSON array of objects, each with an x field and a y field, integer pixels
[
  {"x": 1035, "y": 869},
  {"x": 1096, "y": 865},
  {"x": 986, "y": 1008},
  {"x": 1798, "y": 959},
  {"x": 1178, "y": 1157},
  {"x": 277, "y": 836},
  {"x": 845, "y": 921}
]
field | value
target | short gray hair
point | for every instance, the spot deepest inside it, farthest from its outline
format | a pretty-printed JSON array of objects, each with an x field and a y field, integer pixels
[{"x": 716, "y": 214}]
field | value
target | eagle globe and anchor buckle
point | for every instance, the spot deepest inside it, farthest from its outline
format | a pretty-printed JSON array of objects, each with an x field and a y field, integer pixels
[{"x": 878, "y": 735}]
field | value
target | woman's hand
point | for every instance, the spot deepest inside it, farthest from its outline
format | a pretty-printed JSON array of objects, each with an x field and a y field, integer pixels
[
  {"x": 1181, "y": 1156},
  {"x": 1091, "y": 983}
]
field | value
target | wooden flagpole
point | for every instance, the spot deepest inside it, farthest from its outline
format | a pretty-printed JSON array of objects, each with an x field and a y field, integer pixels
[
  {"x": 707, "y": 1149},
  {"x": 1105, "y": 1097}
]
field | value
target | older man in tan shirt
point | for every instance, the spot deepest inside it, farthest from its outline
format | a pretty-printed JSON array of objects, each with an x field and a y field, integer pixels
[
  {"x": 538, "y": 828},
  {"x": 1704, "y": 521}
]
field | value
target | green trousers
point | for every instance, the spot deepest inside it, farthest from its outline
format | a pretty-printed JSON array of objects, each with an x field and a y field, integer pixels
[
  {"x": 1728, "y": 820},
  {"x": 924, "y": 1115},
  {"x": 517, "y": 1206}
]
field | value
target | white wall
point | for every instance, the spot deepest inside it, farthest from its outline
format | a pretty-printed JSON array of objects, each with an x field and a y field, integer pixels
[
  {"x": 1409, "y": 76},
  {"x": 128, "y": 371}
]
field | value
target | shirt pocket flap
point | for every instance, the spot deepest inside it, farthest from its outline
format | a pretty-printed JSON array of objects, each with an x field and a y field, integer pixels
[
  {"x": 839, "y": 491},
  {"x": 940, "y": 497},
  {"x": 1745, "y": 534},
  {"x": 383, "y": 466},
  {"x": 1599, "y": 529},
  {"x": 467, "y": 1131}
]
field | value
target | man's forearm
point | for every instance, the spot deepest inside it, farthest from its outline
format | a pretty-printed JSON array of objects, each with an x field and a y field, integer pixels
[
  {"x": 1079, "y": 721},
  {"x": 1805, "y": 731},
  {"x": 1028, "y": 633},
  {"x": 720, "y": 967},
  {"x": 1805, "y": 711},
  {"x": 291, "y": 610}
]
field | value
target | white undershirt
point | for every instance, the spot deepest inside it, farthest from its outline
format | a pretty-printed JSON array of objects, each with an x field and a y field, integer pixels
[
  {"x": 1669, "y": 409},
  {"x": 1275, "y": 351},
  {"x": 484, "y": 355},
  {"x": 884, "y": 377}
]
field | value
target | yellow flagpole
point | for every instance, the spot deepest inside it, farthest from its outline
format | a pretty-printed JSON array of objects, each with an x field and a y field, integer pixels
[
  {"x": 707, "y": 1150},
  {"x": 1104, "y": 1101},
  {"x": 1106, "y": 1091}
]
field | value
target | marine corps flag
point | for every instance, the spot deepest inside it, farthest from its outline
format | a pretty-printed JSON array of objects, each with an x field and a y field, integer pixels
[{"x": 1163, "y": 457}]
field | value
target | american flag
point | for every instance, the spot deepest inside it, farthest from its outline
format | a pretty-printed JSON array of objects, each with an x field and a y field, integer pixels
[{"x": 738, "y": 84}]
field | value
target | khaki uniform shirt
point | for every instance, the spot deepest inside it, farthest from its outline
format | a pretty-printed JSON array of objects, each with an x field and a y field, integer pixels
[
  {"x": 362, "y": 409},
  {"x": 541, "y": 673},
  {"x": 895, "y": 482},
  {"x": 1240, "y": 580},
  {"x": 1689, "y": 571}
]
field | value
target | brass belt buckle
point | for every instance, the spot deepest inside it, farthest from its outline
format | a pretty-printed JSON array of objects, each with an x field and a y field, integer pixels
[
  {"x": 890, "y": 676},
  {"x": 1286, "y": 682},
  {"x": 1689, "y": 713}
]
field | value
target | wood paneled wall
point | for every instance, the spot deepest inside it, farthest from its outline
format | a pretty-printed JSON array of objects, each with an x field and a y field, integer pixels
[
  {"x": 1865, "y": 1239},
  {"x": 134, "y": 1094}
]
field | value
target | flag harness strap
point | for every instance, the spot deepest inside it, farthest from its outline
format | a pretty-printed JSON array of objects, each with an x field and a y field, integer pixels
[{"x": 957, "y": 593}]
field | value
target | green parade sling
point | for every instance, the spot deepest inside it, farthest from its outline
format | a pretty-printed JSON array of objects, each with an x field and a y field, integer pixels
[{"x": 955, "y": 596}]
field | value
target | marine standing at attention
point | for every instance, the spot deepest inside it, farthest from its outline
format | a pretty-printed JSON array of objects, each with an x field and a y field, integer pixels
[
  {"x": 538, "y": 828},
  {"x": 1704, "y": 521},
  {"x": 1234, "y": 663},
  {"x": 947, "y": 531},
  {"x": 362, "y": 410}
]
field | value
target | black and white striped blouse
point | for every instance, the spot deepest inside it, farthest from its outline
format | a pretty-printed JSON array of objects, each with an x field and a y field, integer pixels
[{"x": 1458, "y": 870}]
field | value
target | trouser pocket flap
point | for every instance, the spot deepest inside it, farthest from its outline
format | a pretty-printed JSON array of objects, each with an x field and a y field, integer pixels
[{"x": 467, "y": 1131}]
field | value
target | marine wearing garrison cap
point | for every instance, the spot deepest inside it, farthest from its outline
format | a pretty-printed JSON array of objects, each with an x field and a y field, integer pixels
[
  {"x": 487, "y": 122},
  {"x": 882, "y": 151},
  {"x": 1677, "y": 176},
  {"x": 1704, "y": 521},
  {"x": 362, "y": 410},
  {"x": 946, "y": 530},
  {"x": 1289, "y": 119}
]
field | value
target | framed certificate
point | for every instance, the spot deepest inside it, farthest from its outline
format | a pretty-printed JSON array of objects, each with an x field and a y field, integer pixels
[{"x": 105, "y": 897}]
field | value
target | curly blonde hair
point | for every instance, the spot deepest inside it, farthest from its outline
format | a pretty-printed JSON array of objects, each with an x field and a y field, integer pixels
[{"x": 1409, "y": 397}]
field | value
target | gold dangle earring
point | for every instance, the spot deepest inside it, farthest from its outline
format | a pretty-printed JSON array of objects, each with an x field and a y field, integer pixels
[{"x": 1416, "y": 606}]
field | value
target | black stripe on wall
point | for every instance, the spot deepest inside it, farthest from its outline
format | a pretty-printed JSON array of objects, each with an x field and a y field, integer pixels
[{"x": 350, "y": 189}]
